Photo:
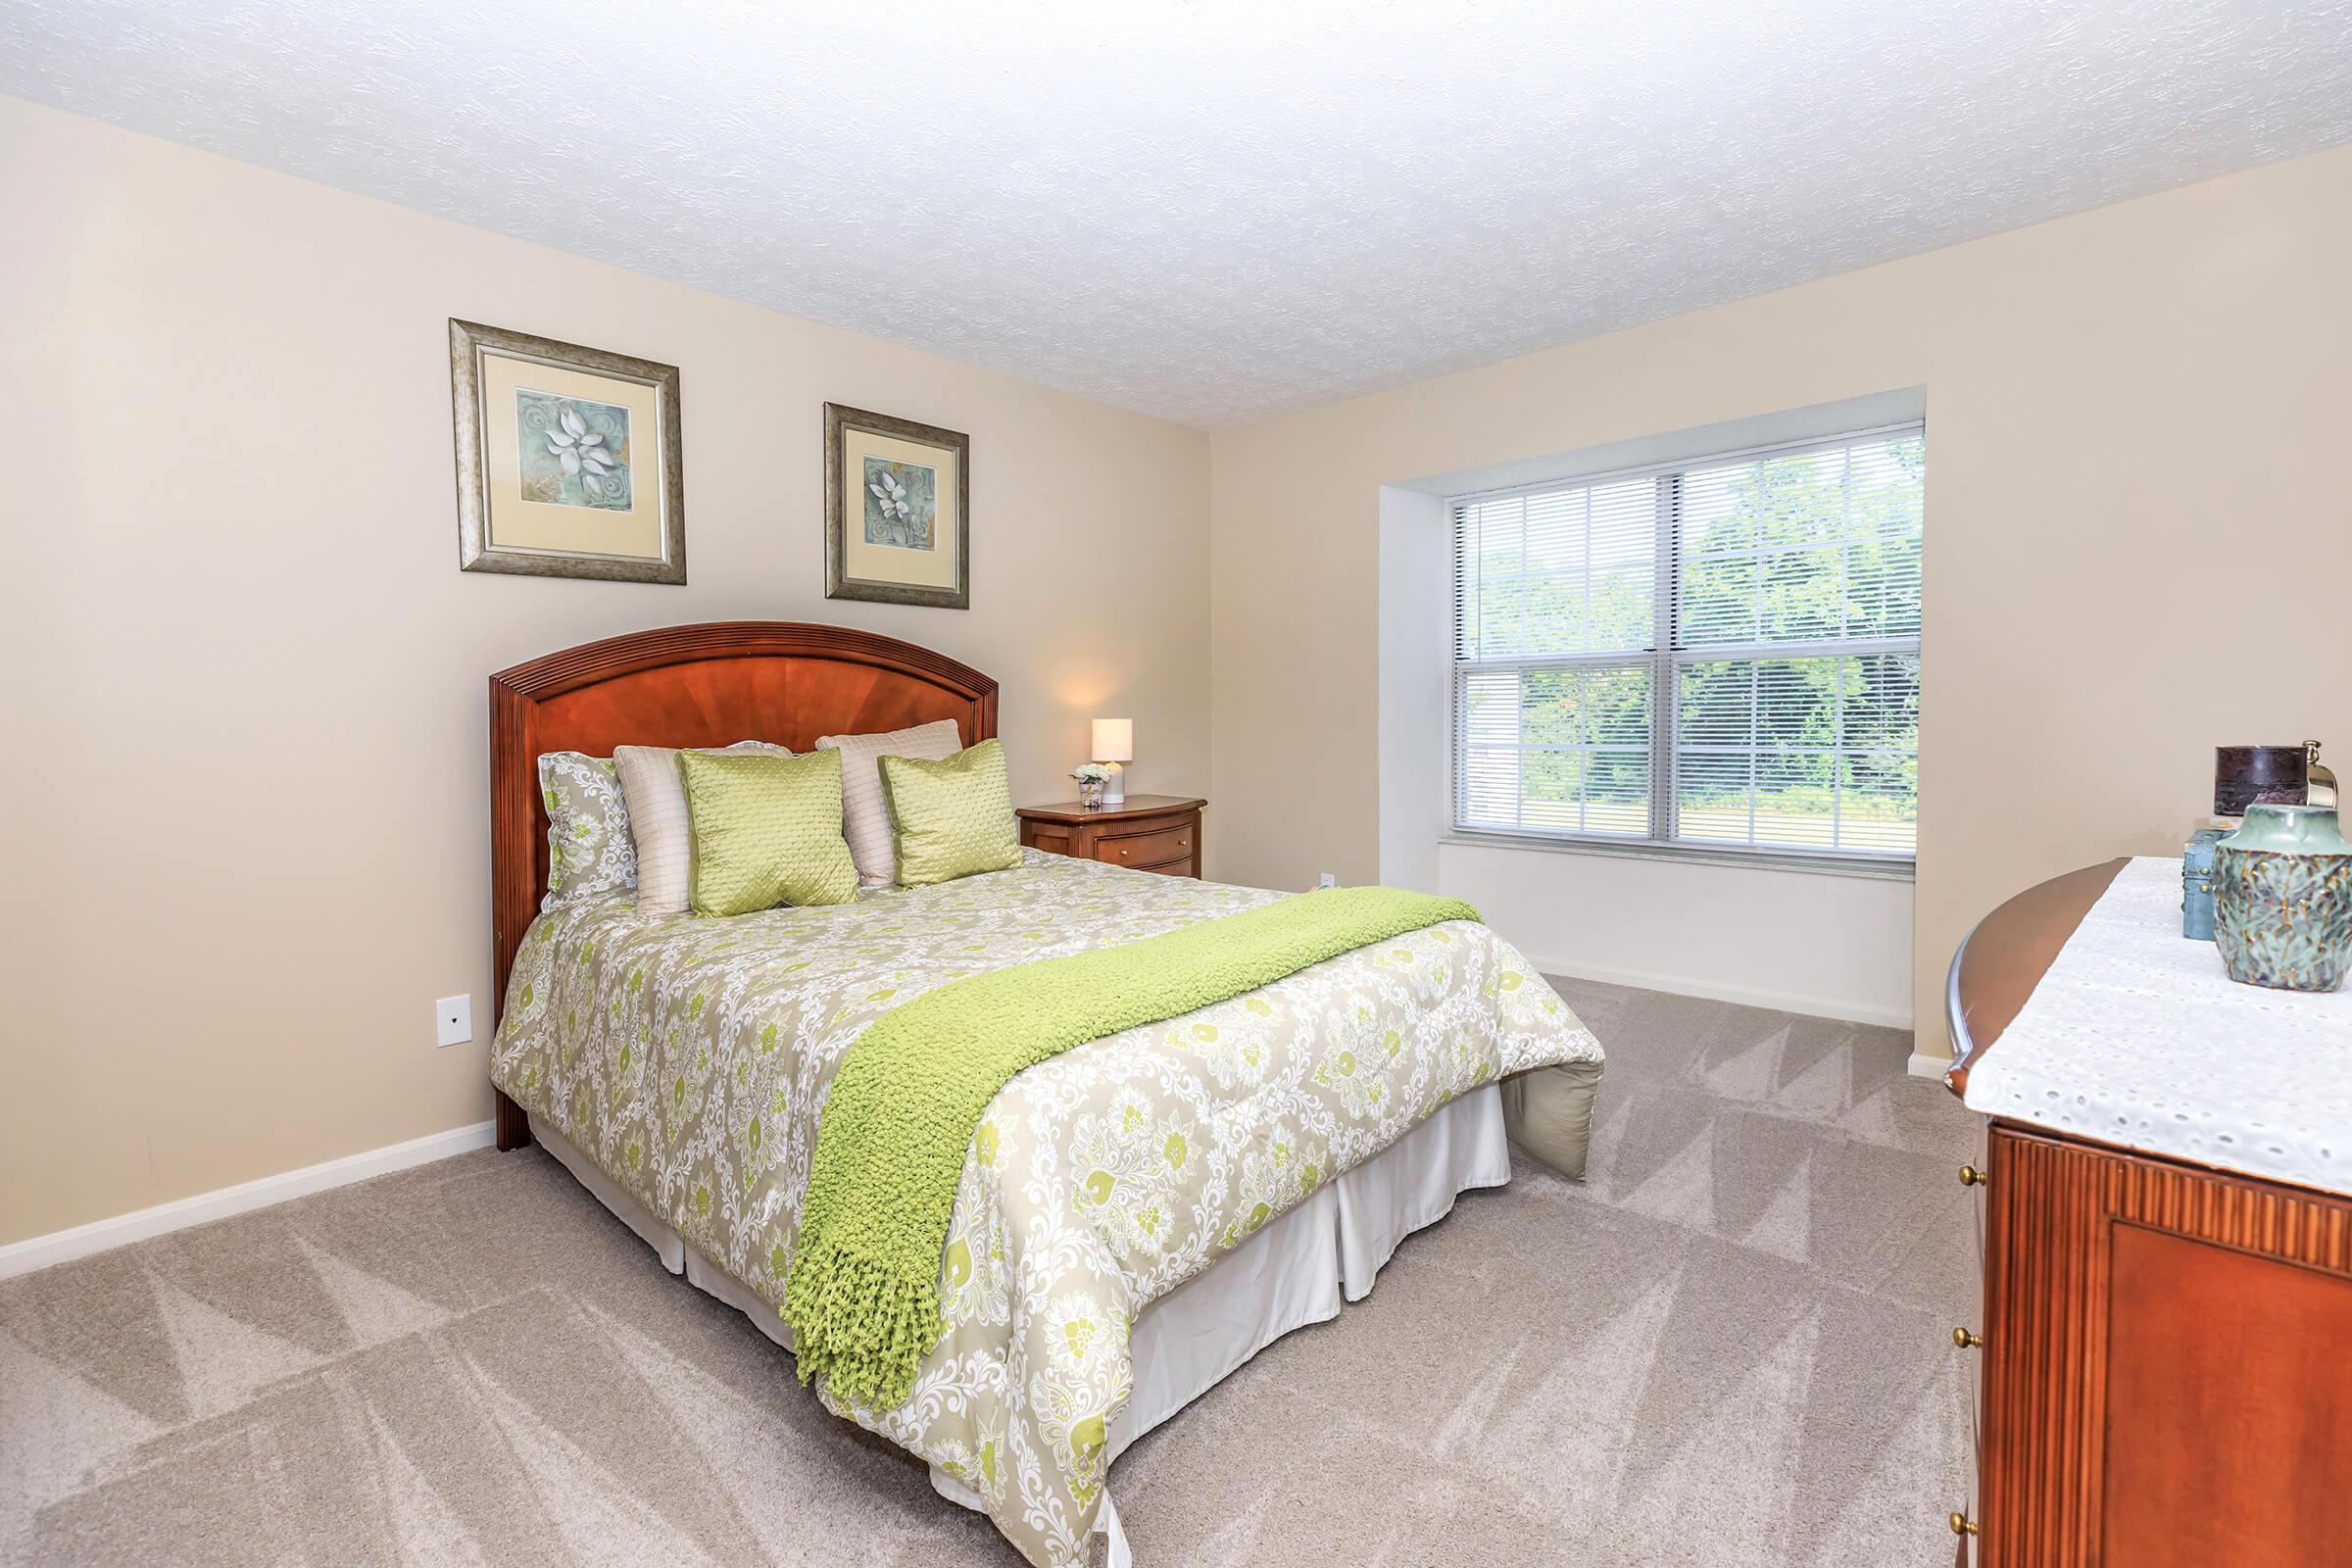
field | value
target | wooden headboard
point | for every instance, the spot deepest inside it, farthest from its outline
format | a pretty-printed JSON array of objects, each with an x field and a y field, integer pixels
[{"x": 706, "y": 685}]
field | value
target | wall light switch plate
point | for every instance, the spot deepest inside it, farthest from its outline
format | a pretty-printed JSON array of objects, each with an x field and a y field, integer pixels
[
  {"x": 453, "y": 1020},
  {"x": 1326, "y": 880}
]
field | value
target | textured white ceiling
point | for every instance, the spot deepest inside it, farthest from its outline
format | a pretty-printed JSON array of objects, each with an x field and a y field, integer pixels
[{"x": 1219, "y": 210}]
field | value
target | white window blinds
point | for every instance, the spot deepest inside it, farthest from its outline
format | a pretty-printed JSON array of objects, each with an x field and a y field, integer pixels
[{"x": 1720, "y": 653}]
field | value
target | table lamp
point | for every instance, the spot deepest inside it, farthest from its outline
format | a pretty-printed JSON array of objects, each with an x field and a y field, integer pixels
[{"x": 1115, "y": 743}]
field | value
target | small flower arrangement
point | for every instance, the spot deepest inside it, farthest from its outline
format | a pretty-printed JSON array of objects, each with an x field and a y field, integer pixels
[{"x": 1090, "y": 778}]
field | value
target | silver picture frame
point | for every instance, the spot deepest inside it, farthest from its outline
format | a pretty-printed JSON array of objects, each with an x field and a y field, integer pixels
[
  {"x": 953, "y": 445},
  {"x": 478, "y": 546}
]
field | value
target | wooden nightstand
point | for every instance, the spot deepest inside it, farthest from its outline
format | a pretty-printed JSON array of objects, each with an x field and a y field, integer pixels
[{"x": 1149, "y": 832}]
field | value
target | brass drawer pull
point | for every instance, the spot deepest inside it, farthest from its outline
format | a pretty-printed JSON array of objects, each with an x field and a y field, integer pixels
[
  {"x": 1967, "y": 1340},
  {"x": 1969, "y": 1176},
  {"x": 1122, "y": 855},
  {"x": 1963, "y": 1525}
]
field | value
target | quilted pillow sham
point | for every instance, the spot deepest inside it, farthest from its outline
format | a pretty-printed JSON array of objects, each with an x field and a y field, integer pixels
[
  {"x": 953, "y": 817},
  {"x": 865, "y": 817},
  {"x": 765, "y": 830},
  {"x": 588, "y": 848},
  {"x": 656, "y": 798}
]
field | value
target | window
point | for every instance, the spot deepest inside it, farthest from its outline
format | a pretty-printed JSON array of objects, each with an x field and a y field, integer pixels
[{"x": 1723, "y": 654}]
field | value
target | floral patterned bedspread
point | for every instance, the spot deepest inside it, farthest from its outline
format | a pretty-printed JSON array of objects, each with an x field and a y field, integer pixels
[{"x": 691, "y": 1057}]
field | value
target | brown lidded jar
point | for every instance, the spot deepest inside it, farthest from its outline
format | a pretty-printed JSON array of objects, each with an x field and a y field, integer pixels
[{"x": 2246, "y": 776}]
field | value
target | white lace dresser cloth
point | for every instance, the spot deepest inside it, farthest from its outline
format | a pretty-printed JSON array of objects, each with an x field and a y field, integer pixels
[{"x": 2136, "y": 1037}]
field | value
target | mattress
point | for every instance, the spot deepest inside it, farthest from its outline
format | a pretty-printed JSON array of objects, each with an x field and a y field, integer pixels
[{"x": 685, "y": 1062}]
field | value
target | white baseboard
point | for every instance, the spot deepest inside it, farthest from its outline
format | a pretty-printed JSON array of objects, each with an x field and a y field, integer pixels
[
  {"x": 1930, "y": 1064},
  {"x": 1746, "y": 996},
  {"x": 62, "y": 1247}
]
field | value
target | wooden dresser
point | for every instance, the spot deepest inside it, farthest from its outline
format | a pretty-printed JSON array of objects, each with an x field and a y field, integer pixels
[
  {"x": 1148, "y": 833},
  {"x": 2164, "y": 1365}
]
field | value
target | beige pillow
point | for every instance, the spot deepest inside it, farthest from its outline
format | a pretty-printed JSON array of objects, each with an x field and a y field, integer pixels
[
  {"x": 657, "y": 801},
  {"x": 1548, "y": 1113},
  {"x": 865, "y": 816}
]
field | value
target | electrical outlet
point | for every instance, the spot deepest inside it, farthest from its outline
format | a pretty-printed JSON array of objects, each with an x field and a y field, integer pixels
[
  {"x": 1326, "y": 880},
  {"x": 453, "y": 1020}
]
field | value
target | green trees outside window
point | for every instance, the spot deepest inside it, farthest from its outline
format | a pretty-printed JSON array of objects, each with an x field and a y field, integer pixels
[{"x": 1724, "y": 652}]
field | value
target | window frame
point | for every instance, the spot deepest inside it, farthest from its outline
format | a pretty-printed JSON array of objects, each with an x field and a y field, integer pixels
[{"x": 1663, "y": 661}]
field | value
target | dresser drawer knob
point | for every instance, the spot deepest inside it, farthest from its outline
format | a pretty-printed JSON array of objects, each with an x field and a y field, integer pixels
[
  {"x": 1963, "y": 1525},
  {"x": 1967, "y": 1340},
  {"x": 1122, "y": 855},
  {"x": 1969, "y": 1176}
]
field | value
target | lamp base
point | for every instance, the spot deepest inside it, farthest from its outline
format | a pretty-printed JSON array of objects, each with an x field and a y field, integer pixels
[{"x": 1115, "y": 788}]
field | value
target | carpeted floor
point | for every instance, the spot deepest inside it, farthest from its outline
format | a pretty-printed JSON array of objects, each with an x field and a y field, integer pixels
[{"x": 1729, "y": 1348}]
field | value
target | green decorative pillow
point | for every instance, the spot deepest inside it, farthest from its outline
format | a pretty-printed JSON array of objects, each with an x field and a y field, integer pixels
[
  {"x": 588, "y": 849},
  {"x": 952, "y": 818},
  {"x": 765, "y": 831}
]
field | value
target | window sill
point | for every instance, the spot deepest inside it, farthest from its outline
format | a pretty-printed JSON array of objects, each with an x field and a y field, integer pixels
[{"x": 1871, "y": 868}]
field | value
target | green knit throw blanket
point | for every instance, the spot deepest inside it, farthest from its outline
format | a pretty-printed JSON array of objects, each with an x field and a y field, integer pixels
[{"x": 863, "y": 1296}]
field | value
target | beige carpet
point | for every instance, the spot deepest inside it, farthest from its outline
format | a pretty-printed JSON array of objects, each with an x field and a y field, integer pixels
[{"x": 1728, "y": 1348}]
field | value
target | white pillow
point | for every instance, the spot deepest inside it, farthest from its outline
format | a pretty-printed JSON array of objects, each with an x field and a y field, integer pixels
[
  {"x": 864, "y": 816},
  {"x": 657, "y": 801}
]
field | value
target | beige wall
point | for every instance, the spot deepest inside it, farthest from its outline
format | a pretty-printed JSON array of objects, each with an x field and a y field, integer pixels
[
  {"x": 243, "y": 678},
  {"x": 2127, "y": 410}
]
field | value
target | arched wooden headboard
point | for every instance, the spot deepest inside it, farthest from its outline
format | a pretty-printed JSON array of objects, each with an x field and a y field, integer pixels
[{"x": 703, "y": 685}]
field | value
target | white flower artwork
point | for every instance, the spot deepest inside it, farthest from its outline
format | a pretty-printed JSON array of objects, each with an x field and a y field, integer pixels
[
  {"x": 567, "y": 459},
  {"x": 896, "y": 502},
  {"x": 901, "y": 501},
  {"x": 575, "y": 452}
]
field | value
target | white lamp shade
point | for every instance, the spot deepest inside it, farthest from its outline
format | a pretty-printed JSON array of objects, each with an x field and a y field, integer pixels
[{"x": 1114, "y": 739}]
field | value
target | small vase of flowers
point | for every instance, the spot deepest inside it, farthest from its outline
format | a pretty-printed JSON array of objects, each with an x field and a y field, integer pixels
[{"x": 1090, "y": 778}]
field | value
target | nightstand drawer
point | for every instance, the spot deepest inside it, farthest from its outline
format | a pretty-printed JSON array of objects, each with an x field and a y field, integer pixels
[
  {"x": 1141, "y": 849},
  {"x": 1187, "y": 867}
]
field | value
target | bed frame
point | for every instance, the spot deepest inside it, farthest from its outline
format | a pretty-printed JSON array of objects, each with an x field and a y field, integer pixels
[{"x": 703, "y": 685}]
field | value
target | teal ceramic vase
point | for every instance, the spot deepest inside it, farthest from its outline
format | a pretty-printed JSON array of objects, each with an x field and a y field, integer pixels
[{"x": 2283, "y": 898}]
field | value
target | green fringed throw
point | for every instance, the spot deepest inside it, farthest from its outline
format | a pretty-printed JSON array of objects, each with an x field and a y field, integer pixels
[{"x": 863, "y": 1296}]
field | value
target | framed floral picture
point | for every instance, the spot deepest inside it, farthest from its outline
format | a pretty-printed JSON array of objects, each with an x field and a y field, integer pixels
[
  {"x": 567, "y": 459},
  {"x": 898, "y": 523}
]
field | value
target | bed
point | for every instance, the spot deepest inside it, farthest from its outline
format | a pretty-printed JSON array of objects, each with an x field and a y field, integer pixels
[{"x": 1135, "y": 1218}]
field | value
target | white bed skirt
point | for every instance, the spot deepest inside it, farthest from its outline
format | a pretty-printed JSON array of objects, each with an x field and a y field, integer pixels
[{"x": 1292, "y": 1273}]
